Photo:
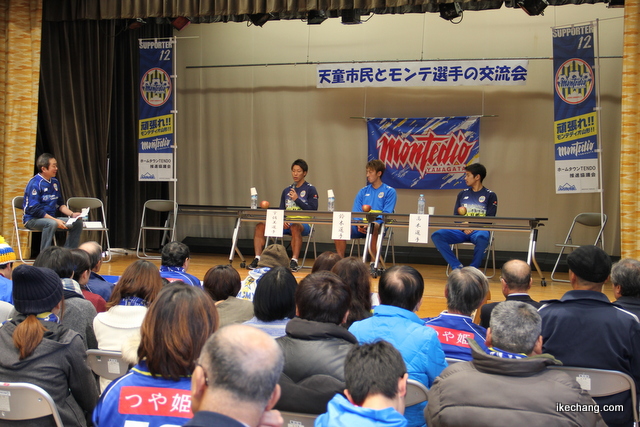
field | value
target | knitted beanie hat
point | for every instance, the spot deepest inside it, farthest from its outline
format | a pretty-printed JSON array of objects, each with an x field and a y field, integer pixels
[
  {"x": 6, "y": 252},
  {"x": 35, "y": 289},
  {"x": 590, "y": 263},
  {"x": 274, "y": 256}
]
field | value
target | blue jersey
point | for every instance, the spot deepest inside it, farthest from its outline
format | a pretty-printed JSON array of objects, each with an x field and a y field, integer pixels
[
  {"x": 140, "y": 399},
  {"x": 41, "y": 197},
  {"x": 307, "y": 197},
  {"x": 173, "y": 274},
  {"x": 453, "y": 331},
  {"x": 478, "y": 203},
  {"x": 382, "y": 199}
]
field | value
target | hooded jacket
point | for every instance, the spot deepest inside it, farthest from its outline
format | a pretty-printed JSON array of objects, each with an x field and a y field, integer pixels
[{"x": 342, "y": 413}]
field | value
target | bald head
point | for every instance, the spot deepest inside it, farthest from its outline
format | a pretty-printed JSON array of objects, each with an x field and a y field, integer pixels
[
  {"x": 95, "y": 252},
  {"x": 243, "y": 361},
  {"x": 517, "y": 275}
]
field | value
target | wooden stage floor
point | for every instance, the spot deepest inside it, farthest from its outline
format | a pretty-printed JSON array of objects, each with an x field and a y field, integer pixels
[{"x": 434, "y": 275}]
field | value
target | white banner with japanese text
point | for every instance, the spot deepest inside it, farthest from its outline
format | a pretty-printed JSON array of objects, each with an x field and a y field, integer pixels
[{"x": 423, "y": 73}]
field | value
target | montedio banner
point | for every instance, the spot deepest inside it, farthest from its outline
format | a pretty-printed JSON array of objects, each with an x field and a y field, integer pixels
[
  {"x": 425, "y": 153},
  {"x": 575, "y": 121}
]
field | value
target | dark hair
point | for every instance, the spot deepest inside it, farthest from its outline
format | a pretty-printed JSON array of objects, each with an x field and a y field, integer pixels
[
  {"x": 43, "y": 161},
  {"x": 477, "y": 169},
  {"x": 325, "y": 261},
  {"x": 303, "y": 165},
  {"x": 275, "y": 296},
  {"x": 174, "y": 254},
  {"x": 140, "y": 279},
  {"x": 626, "y": 274},
  {"x": 81, "y": 263},
  {"x": 401, "y": 286},
  {"x": 170, "y": 338},
  {"x": 466, "y": 289},
  {"x": 355, "y": 274},
  {"x": 6, "y": 265},
  {"x": 322, "y": 297},
  {"x": 58, "y": 259},
  {"x": 376, "y": 165},
  {"x": 95, "y": 252},
  {"x": 222, "y": 282},
  {"x": 371, "y": 369}
]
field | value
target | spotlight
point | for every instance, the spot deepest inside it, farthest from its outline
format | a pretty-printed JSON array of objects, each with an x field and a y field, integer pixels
[
  {"x": 259, "y": 19},
  {"x": 180, "y": 22},
  {"x": 351, "y": 16},
  {"x": 316, "y": 17},
  {"x": 533, "y": 7},
  {"x": 450, "y": 11},
  {"x": 139, "y": 22}
]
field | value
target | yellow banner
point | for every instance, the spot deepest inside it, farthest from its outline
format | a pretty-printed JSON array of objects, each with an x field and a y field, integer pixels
[
  {"x": 155, "y": 126},
  {"x": 575, "y": 128}
]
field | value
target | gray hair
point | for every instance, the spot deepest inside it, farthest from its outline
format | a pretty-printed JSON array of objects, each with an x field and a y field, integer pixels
[
  {"x": 626, "y": 274},
  {"x": 467, "y": 288},
  {"x": 244, "y": 361},
  {"x": 516, "y": 274},
  {"x": 515, "y": 327}
]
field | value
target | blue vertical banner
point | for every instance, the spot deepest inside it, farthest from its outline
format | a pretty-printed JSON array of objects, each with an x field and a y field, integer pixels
[
  {"x": 575, "y": 116},
  {"x": 425, "y": 153},
  {"x": 156, "y": 124}
]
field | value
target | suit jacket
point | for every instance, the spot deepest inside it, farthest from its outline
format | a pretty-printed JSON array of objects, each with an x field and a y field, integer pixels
[{"x": 485, "y": 311}]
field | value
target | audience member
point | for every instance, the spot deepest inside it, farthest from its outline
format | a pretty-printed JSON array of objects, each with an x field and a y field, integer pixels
[
  {"x": 37, "y": 349},
  {"x": 584, "y": 329},
  {"x": 465, "y": 291},
  {"x": 274, "y": 303},
  {"x": 325, "y": 261},
  {"x": 97, "y": 284},
  {"x": 175, "y": 263},
  {"x": 315, "y": 345},
  {"x": 273, "y": 256},
  {"x": 395, "y": 320},
  {"x": 355, "y": 274},
  {"x": 81, "y": 273},
  {"x": 157, "y": 391},
  {"x": 137, "y": 288},
  {"x": 625, "y": 278},
  {"x": 516, "y": 282},
  {"x": 235, "y": 382},
  {"x": 7, "y": 258},
  {"x": 519, "y": 387},
  {"x": 376, "y": 379},
  {"x": 78, "y": 312},
  {"x": 222, "y": 282}
]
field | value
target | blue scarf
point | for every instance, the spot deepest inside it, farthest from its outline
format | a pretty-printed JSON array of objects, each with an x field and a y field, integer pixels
[
  {"x": 133, "y": 301},
  {"x": 47, "y": 316}
]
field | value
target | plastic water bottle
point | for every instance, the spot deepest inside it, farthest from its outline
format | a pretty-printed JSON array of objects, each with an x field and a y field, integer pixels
[
  {"x": 254, "y": 201},
  {"x": 421, "y": 204},
  {"x": 331, "y": 204}
]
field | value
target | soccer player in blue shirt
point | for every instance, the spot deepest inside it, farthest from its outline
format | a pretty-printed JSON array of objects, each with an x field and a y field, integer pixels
[{"x": 476, "y": 200}]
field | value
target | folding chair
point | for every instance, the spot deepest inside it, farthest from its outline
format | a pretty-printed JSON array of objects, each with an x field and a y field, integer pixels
[
  {"x": 490, "y": 252},
  {"x": 76, "y": 204},
  {"x": 24, "y": 401},
  {"x": 387, "y": 242},
  {"x": 16, "y": 205},
  {"x": 451, "y": 360},
  {"x": 297, "y": 419},
  {"x": 107, "y": 364},
  {"x": 602, "y": 382},
  {"x": 169, "y": 225},
  {"x": 586, "y": 219},
  {"x": 310, "y": 239},
  {"x": 416, "y": 393}
]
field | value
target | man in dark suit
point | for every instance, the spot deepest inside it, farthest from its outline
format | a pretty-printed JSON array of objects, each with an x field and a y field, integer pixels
[
  {"x": 516, "y": 282},
  {"x": 235, "y": 381},
  {"x": 625, "y": 278}
]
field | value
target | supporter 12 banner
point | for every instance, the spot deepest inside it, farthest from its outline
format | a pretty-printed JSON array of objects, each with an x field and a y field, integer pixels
[
  {"x": 575, "y": 120},
  {"x": 425, "y": 153},
  {"x": 156, "y": 113}
]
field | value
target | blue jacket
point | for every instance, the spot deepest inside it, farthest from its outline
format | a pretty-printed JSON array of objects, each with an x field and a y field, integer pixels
[
  {"x": 140, "y": 397},
  {"x": 173, "y": 274},
  {"x": 419, "y": 346},
  {"x": 342, "y": 413}
]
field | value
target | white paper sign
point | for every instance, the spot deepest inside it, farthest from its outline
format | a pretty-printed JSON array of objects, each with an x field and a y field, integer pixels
[
  {"x": 418, "y": 228},
  {"x": 341, "y": 227},
  {"x": 274, "y": 223}
]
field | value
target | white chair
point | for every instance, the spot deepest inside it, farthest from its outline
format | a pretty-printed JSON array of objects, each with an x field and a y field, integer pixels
[
  {"x": 107, "y": 364},
  {"x": 602, "y": 382},
  {"x": 76, "y": 204},
  {"x": 24, "y": 401},
  {"x": 295, "y": 419},
  {"x": 490, "y": 252},
  {"x": 168, "y": 206},
  {"x": 416, "y": 393},
  {"x": 18, "y": 227},
  {"x": 585, "y": 219}
]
